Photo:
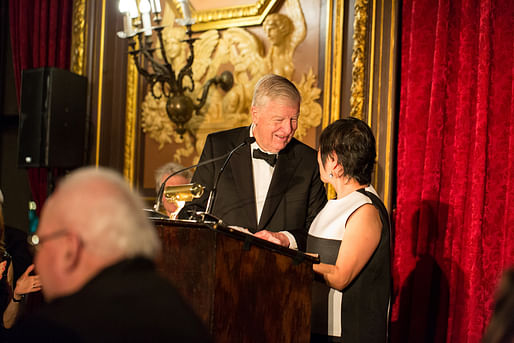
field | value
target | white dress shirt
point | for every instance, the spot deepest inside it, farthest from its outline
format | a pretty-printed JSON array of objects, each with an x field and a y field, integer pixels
[{"x": 262, "y": 174}]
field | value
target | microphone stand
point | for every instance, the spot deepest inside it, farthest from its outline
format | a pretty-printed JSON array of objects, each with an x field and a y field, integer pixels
[{"x": 212, "y": 193}]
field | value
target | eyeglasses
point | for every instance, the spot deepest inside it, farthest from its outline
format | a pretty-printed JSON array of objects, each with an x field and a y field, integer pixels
[{"x": 35, "y": 240}]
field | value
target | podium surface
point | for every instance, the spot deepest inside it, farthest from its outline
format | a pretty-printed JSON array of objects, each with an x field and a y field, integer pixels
[{"x": 243, "y": 288}]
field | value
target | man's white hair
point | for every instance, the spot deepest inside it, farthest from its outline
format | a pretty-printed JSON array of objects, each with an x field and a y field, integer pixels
[
  {"x": 101, "y": 208},
  {"x": 168, "y": 169},
  {"x": 271, "y": 86}
]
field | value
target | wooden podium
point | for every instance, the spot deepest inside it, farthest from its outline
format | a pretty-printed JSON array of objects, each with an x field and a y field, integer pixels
[{"x": 243, "y": 288}]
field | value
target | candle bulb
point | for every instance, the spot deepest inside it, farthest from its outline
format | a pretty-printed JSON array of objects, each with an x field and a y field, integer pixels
[
  {"x": 127, "y": 22},
  {"x": 144, "y": 8},
  {"x": 122, "y": 6},
  {"x": 132, "y": 9},
  {"x": 185, "y": 9},
  {"x": 157, "y": 6}
]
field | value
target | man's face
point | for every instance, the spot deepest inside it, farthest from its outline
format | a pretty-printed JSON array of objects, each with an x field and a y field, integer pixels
[
  {"x": 275, "y": 123},
  {"x": 171, "y": 206}
]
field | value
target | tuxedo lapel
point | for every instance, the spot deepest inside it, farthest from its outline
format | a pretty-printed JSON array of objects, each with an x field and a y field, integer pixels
[
  {"x": 282, "y": 175},
  {"x": 241, "y": 167}
]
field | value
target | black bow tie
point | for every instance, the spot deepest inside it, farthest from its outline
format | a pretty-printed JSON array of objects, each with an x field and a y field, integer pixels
[{"x": 271, "y": 159}]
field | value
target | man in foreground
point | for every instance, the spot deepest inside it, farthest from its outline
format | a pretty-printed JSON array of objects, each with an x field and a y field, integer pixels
[{"x": 94, "y": 254}]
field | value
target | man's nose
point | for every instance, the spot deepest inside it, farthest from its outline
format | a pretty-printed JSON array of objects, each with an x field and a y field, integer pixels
[{"x": 287, "y": 127}]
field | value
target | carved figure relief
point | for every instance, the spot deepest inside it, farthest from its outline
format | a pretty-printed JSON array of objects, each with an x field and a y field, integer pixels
[{"x": 240, "y": 51}]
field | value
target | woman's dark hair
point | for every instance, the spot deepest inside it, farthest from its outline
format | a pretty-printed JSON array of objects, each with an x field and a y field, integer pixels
[{"x": 353, "y": 143}]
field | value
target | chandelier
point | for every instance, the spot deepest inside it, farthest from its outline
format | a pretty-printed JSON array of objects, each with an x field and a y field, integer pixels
[{"x": 137, "y": 22}]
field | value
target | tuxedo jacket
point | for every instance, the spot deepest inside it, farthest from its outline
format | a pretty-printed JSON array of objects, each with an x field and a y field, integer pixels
[{"x": 295, "y": 195}]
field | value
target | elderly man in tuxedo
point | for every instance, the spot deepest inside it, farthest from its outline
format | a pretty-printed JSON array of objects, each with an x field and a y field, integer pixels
[{"x": 271, "y": 187}]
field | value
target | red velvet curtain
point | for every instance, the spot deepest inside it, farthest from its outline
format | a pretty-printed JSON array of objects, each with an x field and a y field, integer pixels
[
  {"x": 454, "y": 223},
  {"x": 40, "y": 37}
]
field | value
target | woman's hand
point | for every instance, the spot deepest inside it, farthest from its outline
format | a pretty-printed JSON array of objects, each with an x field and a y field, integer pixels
[{"x": 27, "y": 283}]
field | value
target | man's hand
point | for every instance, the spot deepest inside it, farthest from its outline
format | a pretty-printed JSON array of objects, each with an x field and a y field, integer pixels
[{"x": 273, "y": 237}]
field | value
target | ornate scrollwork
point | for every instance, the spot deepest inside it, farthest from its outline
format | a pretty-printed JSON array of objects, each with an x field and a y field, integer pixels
[
  {"x": 130, "y": 122},
  {"x": 78, "y": 37},
  {"x": 359, "y": 58}
]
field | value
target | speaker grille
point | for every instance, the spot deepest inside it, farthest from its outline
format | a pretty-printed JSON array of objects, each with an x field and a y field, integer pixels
[{"x": 52, "y": 119}]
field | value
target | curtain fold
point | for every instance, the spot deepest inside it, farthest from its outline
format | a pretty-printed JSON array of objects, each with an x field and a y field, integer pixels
[
  {"x": 454, "y": 220},
  {"x": 40, "y": 37}
]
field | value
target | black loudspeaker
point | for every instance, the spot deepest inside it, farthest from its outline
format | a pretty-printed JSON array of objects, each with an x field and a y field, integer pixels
[{"x": 53, "y": 118}]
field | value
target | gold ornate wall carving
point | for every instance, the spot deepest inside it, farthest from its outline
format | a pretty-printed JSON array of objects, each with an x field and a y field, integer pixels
[
  {"x": 333, "y": 61},
  {"x": 359, "y": 58},
  {"x": 130, "y": 123},
  {"x": 78, "y": 37},
  {"x": 239, "y": 50}
]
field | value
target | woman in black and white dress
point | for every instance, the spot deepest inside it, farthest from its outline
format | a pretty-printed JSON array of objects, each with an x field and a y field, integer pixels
[{"x": 351, "y": 234}]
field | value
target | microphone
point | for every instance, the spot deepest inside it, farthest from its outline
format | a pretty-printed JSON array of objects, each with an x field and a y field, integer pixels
[{"x": 212, "y": 193}]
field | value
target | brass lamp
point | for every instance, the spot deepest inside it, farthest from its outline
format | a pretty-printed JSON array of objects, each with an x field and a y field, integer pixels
[{"x": 184, "y": 192}]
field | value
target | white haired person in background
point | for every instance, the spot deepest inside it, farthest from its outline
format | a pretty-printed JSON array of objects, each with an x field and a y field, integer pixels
[
  {"x": 10, "y": 298},
  {"x": 171, "y": 207},
  {"x": 95, "y": 252}
]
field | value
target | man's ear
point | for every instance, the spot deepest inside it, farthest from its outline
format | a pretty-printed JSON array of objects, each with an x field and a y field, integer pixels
[
  {"x": 255, "y": 115},
  {"x": 72, "y": 252}
]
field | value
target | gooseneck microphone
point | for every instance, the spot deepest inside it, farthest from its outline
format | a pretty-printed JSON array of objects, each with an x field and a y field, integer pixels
[{"x": 212, "y": 193}]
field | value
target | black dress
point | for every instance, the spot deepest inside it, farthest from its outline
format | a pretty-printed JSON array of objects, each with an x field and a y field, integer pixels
[{"x": 365, "y": 302}]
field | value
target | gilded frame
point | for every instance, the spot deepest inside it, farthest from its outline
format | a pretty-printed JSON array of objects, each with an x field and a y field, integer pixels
[
  {"x": 234, "y": 16},
  {"x": 381, "y": 105}
]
